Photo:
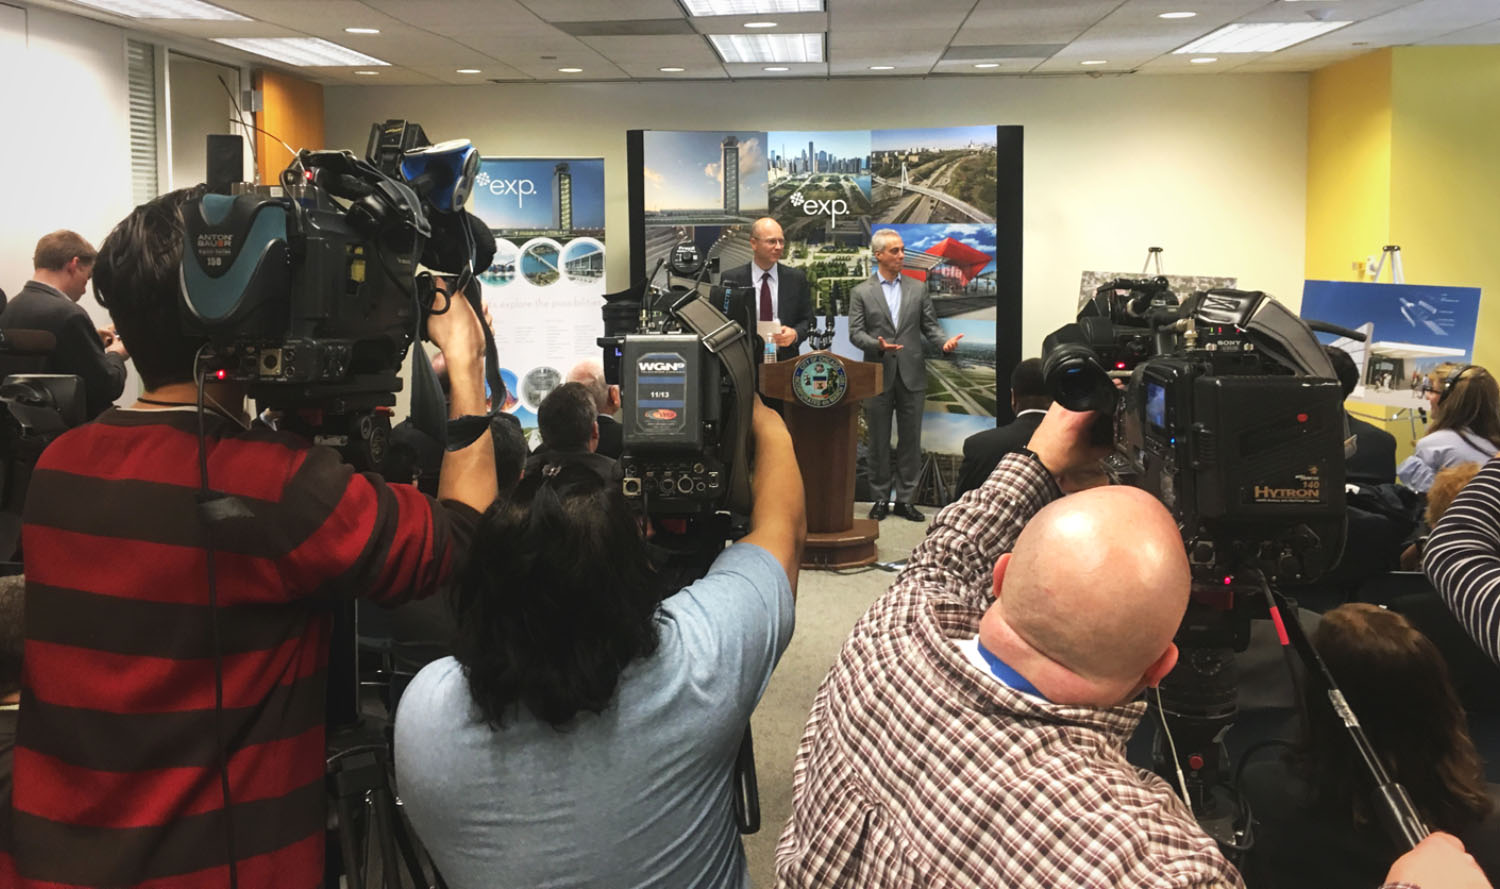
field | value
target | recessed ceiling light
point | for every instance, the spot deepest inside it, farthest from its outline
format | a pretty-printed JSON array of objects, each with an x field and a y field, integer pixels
[
  {"x": 778, "y": 68},
  {"x": 1094, "y": 62},
  {"x": 362, "y": 30},
  {"x": 750, "y": 7},
  {"x": 467, "y": 71},
  {"x": 760, "y": 24},
  {"x": 1205, "y": 60},
  {"x": 570, "y": 70},
  {"x": 1259, "y": 36},
  {"x": 986, "y": 64},
  {"x": 1177, "y": 15},
  {"x": 882, "y": 67},
  {"x": 671, "y": 70},
  {"x": 166, "y": 9},
  {"x": 759, "y": 48},
  {"x": 367, "y": 73},
  {"x": 306, "y": 52}
]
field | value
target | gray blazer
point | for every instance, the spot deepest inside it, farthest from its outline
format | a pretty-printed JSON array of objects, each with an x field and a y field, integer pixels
[{"x": 870, "y": 317}]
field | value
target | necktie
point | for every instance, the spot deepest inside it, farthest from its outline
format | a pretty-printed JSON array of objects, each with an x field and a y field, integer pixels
[{"x": 765, "y": 296}]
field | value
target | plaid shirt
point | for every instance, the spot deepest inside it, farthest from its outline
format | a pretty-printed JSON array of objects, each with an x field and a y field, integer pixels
[{"x": 918, "y": 769}]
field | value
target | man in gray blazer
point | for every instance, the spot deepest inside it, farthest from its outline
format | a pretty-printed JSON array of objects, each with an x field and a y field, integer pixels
[{"x": 890, "y": 316}]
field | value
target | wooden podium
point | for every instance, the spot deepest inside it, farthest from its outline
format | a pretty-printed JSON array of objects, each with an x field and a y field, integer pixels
[{"x": 820, "y": 392}]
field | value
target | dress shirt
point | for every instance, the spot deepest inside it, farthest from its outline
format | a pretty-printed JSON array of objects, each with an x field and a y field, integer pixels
[{"x": 892, "y": 291}]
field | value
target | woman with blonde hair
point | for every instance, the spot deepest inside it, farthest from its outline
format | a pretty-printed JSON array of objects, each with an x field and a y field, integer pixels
[{"x": 1465, "y": 424}]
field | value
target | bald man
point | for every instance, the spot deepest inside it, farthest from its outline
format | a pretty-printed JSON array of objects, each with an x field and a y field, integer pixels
[
  {"x": 780, "y": 291},
  {"x": 974, "y": 725},
  {"x": 590, "y": 373}
]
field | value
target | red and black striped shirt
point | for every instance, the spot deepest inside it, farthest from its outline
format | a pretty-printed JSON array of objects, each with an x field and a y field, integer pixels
[{"x": 116, "y": 782}]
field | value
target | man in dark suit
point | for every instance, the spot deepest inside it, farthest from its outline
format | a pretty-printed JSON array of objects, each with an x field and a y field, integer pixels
[
  {"x": 1374, "y": 460},
  {"x": 1029, "y": 401},
  {"x": 590, "y": 373},
  {"x": 780, "y": 291},
  {"x": 890, "y": 317},
  {"x": 63, "y": 263}
]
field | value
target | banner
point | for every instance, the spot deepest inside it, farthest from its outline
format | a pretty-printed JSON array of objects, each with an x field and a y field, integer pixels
[{"x": 545, "y": 287}]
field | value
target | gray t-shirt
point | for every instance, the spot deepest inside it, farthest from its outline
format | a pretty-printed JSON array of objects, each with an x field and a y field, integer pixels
[{"x": 636, "y": 796}]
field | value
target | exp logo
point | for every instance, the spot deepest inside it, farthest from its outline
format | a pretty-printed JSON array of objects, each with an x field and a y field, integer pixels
[
  {"x": 521, "y": 188},
  {"x": 812, "y": 207}
]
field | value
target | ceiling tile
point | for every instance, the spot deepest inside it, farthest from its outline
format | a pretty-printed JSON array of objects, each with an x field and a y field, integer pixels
[
  {"x": 1031, "y": 21},
  {"x": 1478, "y": 34},
  {"x": 674, "y": 50},
  {"x": 804, "y": 69},
  {"x": 603, "y": 10},
  {"x": 896, "y": 15},
  {"x": 650, "y": 71},
  {"x": 786, "y": 23}
]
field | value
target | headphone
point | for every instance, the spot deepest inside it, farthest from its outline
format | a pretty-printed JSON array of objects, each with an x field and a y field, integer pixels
[{"x": 1450, "y": 381}]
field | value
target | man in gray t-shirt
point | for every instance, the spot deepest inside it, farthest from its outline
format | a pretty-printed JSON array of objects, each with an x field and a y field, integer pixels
[{"x": 632, "y": 788}]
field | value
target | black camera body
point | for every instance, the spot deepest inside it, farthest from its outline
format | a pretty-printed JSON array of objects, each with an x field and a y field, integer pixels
[
  {"x": 1234, "y": 422},
  {"x": 685, "y": 368}
]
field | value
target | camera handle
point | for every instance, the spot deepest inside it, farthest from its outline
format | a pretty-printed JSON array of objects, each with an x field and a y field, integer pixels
[{"x": 1397, "y": 813}]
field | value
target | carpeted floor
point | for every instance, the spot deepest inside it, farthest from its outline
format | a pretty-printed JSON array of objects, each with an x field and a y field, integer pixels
[{"x": 828, "y": 605}]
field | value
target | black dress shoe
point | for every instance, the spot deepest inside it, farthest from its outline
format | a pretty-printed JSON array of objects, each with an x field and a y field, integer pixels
[
  {"x": 907, "y": 511},
  {"x": 879, "y": 510}
]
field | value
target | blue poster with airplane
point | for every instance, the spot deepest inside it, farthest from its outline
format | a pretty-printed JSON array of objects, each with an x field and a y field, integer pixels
[{"x": 1409, "y": 330}]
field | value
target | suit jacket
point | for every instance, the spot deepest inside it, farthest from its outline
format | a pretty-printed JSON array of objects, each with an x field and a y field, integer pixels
[
  {"x": 793, "y": 301},
  {"x": 79, "y": 351},
  {"x": 983, "y": 451},
  {"x": 611, "y": 437},
  {"x": 870, "y": 318},
  {"x": 1374, "y": 460}
]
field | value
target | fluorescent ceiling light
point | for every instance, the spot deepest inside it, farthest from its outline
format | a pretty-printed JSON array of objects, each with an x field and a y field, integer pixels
[
  {"x": 778, "y": 68},
  {"x": 361, "y": 30},
  {"x": 306, "y": 52},
  {"x": 1177, "y": 15},
  {"x": 367, "y": 73},
  {"x": 1207, "y": 60},
  {"x": 1260, "y": 36},
  {"x": 165, "y": 9},
  {"x": 467, "y": 71},
  {"x": 1094, "y": 62},
  {"x": 882, "y": 67},
  {"x": 768, "y": 47},
  {"x": 760, "y": 24},
  {"x": 672, "y": 70},
  {"x": 750, "y": 7},
  {"x": 570, "y": 70},
  {"x": 986, "y": 64}
]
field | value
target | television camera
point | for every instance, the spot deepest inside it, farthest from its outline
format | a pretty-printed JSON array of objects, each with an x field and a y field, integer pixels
[
  {"x": 309, "y": 291},
  {"x": 1228, "y": 412}
]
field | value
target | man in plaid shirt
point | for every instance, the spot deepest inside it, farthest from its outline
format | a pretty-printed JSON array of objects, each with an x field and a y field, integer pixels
[{"x": 972, "y": 731}]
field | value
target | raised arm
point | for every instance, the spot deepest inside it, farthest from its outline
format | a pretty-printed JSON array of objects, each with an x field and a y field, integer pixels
[
  {"x": 778, "y": 509},
  {"x": 1462, "y": 557},
  {"x": 468, "y": 474}
]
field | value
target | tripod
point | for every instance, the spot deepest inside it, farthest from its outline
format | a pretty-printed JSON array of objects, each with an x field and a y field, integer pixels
[{"x": 359, "y": 778}]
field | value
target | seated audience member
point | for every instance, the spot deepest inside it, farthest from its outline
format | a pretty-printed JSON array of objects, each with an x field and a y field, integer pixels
[
  {"x": 1317, "y": 826},
  {"x": 565, "y": 420},
  {"x": 1462, "y": 556},
  {"x": 1445, "y": 486},
  {"x": 12, "y": 595},
  {"x": 1029, "y": 400},
  {"x": 590, "y": 374},
  {"x": 1465, "y": 424},
  {"x": 972, "y": 730},
  {"x": 586, "y": 731},
  {"x": 116, "y": 781},
  {"x": 1374, "y": 460},
  {"x": 63, "y": 263}
]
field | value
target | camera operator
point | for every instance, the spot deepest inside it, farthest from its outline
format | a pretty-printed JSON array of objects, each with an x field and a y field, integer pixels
[
  {"x": 1462, "y": 556},
  {"x": 975, "y": 721},
  {"x": 172, "y": 728},
  {"x": 586, "y": 731}
]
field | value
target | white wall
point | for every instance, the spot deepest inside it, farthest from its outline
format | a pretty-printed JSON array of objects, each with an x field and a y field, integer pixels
[
  {"x": 1211, "y": 167},
  {"x": 198, "y": 106}
]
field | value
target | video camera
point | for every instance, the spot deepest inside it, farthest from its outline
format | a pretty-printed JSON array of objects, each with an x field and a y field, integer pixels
[
  {"x": 685, "y": 367},
  {"x": 309, "y": 293}
]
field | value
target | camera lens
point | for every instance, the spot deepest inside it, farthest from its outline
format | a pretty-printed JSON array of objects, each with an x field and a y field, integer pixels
[{"x": 1077, "y": 379}]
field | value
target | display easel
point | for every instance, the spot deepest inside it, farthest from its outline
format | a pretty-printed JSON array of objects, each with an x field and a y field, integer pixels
[{"x": 1398, "y": 276}]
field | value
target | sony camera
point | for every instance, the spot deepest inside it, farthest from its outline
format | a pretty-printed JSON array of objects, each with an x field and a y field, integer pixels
[
  {"x": 308, "y": 291},
  {"x": 685, "y": 367},
  {"x": 1231, "y": 417}
]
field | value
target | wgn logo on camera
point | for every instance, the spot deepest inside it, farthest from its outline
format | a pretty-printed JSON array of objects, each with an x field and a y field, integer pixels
[
  {"x": 661, "y": 391},
  {"x": 813, "y": 207},
  {"x": 520, "y": 189}
]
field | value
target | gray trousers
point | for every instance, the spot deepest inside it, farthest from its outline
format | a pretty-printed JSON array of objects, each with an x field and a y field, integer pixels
[{"x": 907, "y": 405}]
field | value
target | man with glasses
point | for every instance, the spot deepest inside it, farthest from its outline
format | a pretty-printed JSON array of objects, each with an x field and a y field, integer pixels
[{"x": 780, "y": 291}]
